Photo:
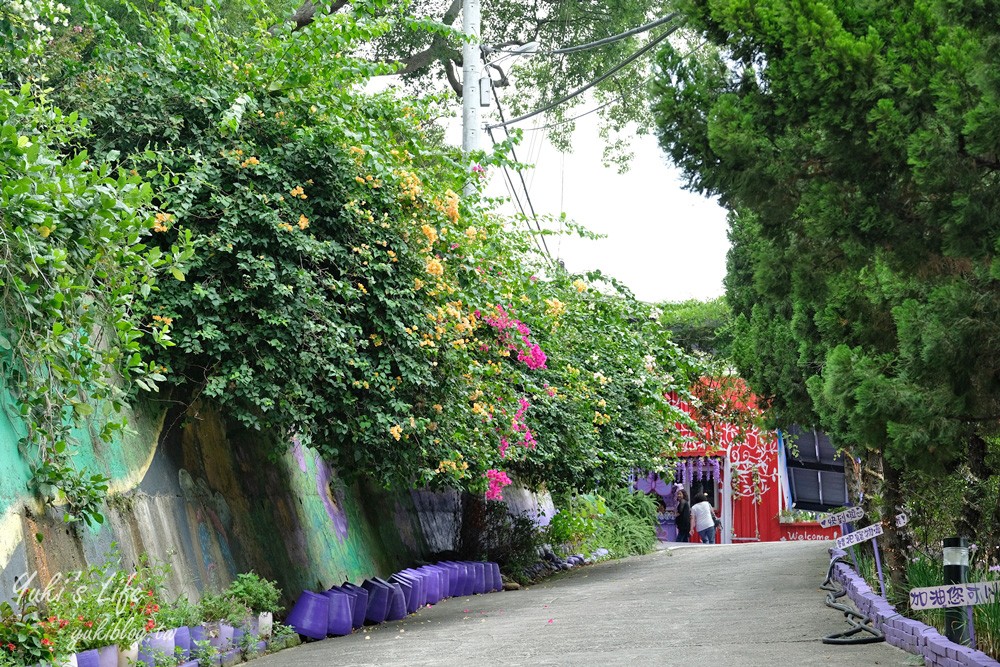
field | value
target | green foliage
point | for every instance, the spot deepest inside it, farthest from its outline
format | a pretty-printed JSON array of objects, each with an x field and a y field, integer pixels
[
  {"x": 615, "y": 519},
  {"x": 181, "y": 613},
  {"x": 699, "y": 326},
  {"x": 512, "y": 542},
  {"x": 216, "y": 607},
  {"x": 20, "y": 627},
  {"x": 343, "y": 294},
  {"x": 74, "y": 258},
  {"x": 576, "y": 521},
  {"x": 204, "y": 653},
  {"x": 629, "y": 527},
  {"x": 256, "y": 593}
]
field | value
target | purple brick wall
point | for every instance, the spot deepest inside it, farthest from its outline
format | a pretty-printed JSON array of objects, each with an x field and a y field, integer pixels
[{"x": 910, "y": 635}]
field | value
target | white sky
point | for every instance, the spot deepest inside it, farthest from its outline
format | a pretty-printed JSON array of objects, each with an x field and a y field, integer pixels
[{"x": 665, "y": 243}]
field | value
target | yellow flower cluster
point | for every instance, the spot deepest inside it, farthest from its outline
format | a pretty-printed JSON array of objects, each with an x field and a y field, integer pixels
[
  {"x": 392, "y": 256},
  {"x": 418, "y": 283},
  {"x": 554, "y": 307},
  {"x": 601, "y": 418},
  {"x": 250, "y": 161},
  {"x": 434, "y": 267},
  {"x": 430, "y": 233},
  {"x": 449, "y": 466},
  {"x": 361, "y": 288},
  {"x": 303, "y": 222},
  {"x": 396, "y": 432},
  {"x": 451, "y": 206},
  {"x": 580, "y": 285},
  {"x": 161, "y": 222},
  {"x": 164, "y": 321},
  {"x": 297, "y": 191},
  {"x": 410, "y": 185},
  {"x": 471, "y": 233}
]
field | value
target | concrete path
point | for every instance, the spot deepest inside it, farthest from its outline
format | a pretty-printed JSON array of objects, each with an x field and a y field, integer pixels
[{"x": 743, "y": 605}]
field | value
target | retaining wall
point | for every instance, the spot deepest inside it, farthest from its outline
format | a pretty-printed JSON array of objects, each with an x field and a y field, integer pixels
[{"x": 910, "y": 635}]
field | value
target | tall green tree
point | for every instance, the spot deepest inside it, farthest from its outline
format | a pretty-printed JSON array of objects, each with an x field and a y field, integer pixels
[{"x": 853, "y": 143}]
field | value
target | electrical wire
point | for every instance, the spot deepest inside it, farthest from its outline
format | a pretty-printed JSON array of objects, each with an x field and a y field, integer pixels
[
  {"x": 524, "y": 214},
  {"x": 582, "y": 89},
  {"x": 570, "y": 120},
  {"x": 614, "y": 38},
  {"x": 520, "y": 173}
]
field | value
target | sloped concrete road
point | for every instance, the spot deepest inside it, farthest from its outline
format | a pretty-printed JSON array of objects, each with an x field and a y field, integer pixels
[{"x": 743, "y": 605}]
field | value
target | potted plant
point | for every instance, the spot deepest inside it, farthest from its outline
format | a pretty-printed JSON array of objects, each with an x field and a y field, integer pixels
[
  {"x": 222, "y": 615},
  {"x": 260, "y": 596}
]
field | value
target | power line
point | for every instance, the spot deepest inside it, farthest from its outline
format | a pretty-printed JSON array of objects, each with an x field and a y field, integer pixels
[
  {"x": 527, "y": 219},
  {"x": 615, "y": 38},
  {"x": 520, "y": 173},
  {"x": 570, "y": 120},
  {"x": 579, "y": 91}
]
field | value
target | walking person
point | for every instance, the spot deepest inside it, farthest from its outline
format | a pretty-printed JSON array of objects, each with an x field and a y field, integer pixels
[
  {"x": 704, "y": 518},
  {"x": 683, "y": 513}
]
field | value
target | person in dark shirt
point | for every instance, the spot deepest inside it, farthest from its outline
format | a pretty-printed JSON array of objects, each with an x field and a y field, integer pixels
[{"x": 683, "y": 517}]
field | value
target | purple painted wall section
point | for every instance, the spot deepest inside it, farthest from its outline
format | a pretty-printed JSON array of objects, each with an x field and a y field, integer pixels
[{"x": 910, "y": 635}]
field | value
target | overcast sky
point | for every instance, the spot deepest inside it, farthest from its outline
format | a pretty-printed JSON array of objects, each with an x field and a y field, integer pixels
[{"x": 665, "y": 243}]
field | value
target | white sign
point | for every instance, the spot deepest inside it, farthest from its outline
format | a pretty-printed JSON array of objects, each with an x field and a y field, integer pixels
[
  {"x": 902, "y": 520},
  {"x": 954, "y": 595},
  {"x": 852, "y": 514},
  {"x": 859, "y": 536}
]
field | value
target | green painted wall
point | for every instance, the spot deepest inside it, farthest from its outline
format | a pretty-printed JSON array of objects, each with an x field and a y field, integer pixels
[{"x": 211, "y": 503}]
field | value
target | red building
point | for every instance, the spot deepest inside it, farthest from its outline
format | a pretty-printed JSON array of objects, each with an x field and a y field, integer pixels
[{"x": 744, "y": 472}]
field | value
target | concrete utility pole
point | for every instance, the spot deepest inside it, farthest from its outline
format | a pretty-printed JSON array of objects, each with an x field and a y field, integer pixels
[{"x": 471, "y": 67}]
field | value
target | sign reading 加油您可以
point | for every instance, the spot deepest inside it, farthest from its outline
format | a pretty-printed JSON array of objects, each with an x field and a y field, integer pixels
[{"x": 954, "y": 595}]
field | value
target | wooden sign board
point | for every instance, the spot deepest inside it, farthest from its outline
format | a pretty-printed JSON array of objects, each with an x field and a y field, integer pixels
[
  {"x": 954, "y": 595},
  {"x": 859, "y": 536},
  {"x": 852, "y": 514}
]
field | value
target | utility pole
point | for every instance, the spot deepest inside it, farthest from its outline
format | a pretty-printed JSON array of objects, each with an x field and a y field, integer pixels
[{"x": 471, "y": 67}]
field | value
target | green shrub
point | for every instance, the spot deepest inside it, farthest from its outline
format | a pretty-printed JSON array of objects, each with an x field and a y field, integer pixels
[{"x": 256, "y": 593}]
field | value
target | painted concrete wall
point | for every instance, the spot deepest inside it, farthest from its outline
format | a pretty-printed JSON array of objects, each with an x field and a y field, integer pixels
[{"x": 211, "y": 504}]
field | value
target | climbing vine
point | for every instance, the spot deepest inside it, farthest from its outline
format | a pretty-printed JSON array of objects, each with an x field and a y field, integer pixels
[{"x": 72, "y": 263}]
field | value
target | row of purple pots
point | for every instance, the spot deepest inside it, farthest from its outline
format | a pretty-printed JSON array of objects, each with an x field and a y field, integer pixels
[{"x": 344, "y": 608}]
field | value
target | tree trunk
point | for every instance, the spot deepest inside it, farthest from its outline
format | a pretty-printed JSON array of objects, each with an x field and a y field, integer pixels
[
  {"x": 473, "y": 526},
  {"x": 970, "y": 520},
  {"x": 896, "y": 544}
]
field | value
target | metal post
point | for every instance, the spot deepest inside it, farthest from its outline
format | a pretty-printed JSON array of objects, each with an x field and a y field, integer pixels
[
  {"x": 471, "y": 67},
  {"x": 956, "y": 571}
]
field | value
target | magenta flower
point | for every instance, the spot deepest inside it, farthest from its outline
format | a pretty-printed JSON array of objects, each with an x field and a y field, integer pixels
[{"x": 498, "y": 479}]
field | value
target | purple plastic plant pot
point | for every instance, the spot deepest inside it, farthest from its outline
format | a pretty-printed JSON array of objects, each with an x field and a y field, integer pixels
[
  {"x": 88, "y": 658},
  {"x": 467, "y": 574},
  {"x": 410, "y": 591},
  {"x": 182, "y": 640},
  {"x": 360, "y": 603},
  {"x": 310, "y": 615},
  {"x": 189, "y": 663},
  {"x": 199, "y": 633},
  {"x": 479, "y": 585},
  {"x": 450, "y": 578},
  {"x": 432, "y": 585},
  {"x": 108, "y": 656},
  {"x": 340, "y": 619},
  {"x": 156, "y": 644},
  {"x": 237, "y": 636},
  {"x": 457, "y": 578},
  {"x": 397, "y": 603},
  {"x": 223, "y": 638},
  {"x": 378, "y": 601},
  {"x": 497, "y": 577},
  {"x": 416, "y": 580},
  {"x": 435, "y": 590}
]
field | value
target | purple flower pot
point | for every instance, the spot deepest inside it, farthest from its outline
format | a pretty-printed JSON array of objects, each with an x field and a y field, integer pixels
[
  {"x": 88, "y": 658},
  {"x": 479, "y": 585},
  {"x": 432, "y": 585},
  {"x": 360, "y": 602},
  {"x": 108, "y": 656},
  {"x": 419, "y": 593},
  {"x": 156, "y": 644},
  {"x": 310, "y": 615},
  {"x": 495, "y": 578},
  {"x": 397, "y": 603},
  {"x": 223, "y": 639},
  {"x": 450, "y": 580},
  {"x": 378, "y": 601},
  {"x": 182, "y": 640},
  {"x": 189, "y": 663},
  {"x": 341, "y": 615},
  {"x": 411, "y": 591}
]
